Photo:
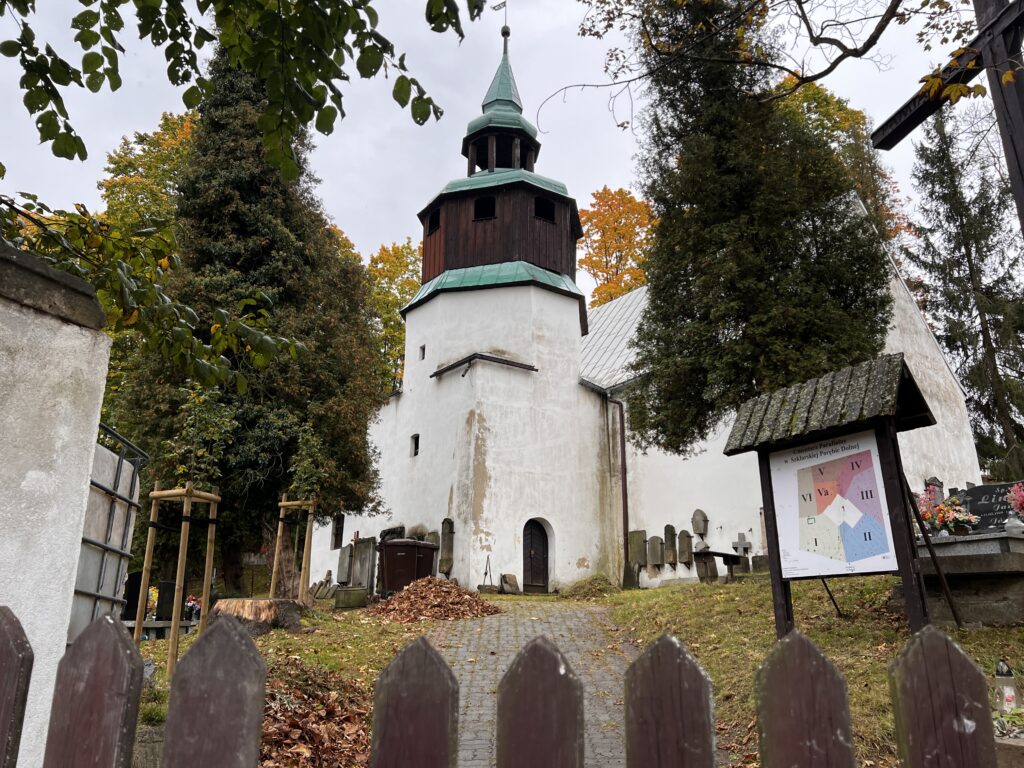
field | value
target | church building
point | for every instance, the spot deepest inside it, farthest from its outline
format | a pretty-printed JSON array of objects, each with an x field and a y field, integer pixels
[{"x": 507, "y": 434}]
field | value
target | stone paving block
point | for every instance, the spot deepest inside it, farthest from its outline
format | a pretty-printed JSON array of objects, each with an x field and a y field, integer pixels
[{"x": 480, "y": 650}]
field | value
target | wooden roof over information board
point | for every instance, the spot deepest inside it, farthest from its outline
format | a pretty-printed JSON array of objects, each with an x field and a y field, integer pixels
[{"x": 836, "y": 402}]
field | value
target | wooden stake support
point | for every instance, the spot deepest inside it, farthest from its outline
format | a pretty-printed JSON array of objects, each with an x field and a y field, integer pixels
[
  {"x": 188, "y": 494},
  {"x": 310, "y": 506}
]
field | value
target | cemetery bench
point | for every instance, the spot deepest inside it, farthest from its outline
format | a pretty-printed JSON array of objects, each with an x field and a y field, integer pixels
[
  {"x": 706, "y": 569},
  {"x": 159, "y": 630}
]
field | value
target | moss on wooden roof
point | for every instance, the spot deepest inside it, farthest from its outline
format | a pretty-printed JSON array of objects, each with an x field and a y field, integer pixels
[{"x": 883, "y": 387}]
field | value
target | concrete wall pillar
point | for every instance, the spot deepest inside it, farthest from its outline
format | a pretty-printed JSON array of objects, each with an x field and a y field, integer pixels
[{"x": 53, "y": 366}]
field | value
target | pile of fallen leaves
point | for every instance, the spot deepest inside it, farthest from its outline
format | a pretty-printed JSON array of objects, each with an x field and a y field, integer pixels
[
  {"x": 590, "y": 588},
  {"x": 432, "y": 598},
  {"x": 313, "y": 718}
]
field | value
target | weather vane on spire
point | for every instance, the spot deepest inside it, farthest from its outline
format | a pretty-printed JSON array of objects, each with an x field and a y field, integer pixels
[{"x": 505, "y": 31}]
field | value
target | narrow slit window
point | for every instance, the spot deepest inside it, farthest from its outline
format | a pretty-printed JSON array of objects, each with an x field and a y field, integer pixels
[
  {"x": 544, "y": 209},
  {"x": 338, "y": 532},
  {"x": 414, "y": 445},
  {"x": 434, "y": 221},
  {"x": 484, "y": 208}
]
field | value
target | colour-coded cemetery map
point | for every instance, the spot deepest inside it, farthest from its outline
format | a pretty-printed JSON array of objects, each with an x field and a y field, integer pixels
[{"x": 841, "y": 510}]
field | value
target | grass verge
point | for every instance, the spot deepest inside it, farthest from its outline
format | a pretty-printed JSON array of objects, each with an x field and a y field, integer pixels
[{"x": 730, "y": 629}]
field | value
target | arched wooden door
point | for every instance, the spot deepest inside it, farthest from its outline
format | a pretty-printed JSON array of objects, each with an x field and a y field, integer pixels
[{"x": 535, "y": 557}]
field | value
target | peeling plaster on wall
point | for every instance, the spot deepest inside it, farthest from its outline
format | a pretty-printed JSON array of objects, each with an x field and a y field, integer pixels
[
  {"x": 476, "y": 427},
  {"x": 583, "y": 564}
]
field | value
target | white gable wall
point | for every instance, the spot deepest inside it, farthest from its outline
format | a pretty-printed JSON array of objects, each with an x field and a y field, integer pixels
[{"x": 946, "y": 450}]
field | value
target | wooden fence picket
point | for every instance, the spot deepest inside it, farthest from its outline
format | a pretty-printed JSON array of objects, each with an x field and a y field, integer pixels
[
  {"x": 16, "y": 662},
  {"x": 215, "y": 714},
  {"x": 95, "y": 700},
  {"x": 416, "y": 711},
  {"x": 540, "y": 710},
  {"x": 669, "y": 709},
  {"x": 802, "y": 714},
  {"x": 941, "y": 704}
]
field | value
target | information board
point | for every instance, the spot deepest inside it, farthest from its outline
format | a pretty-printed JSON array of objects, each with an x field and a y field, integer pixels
[{"x": 831, "y": 510}]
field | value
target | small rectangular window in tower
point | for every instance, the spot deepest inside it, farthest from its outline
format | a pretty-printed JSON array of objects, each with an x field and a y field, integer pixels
[
  {"x": 338, "y": 532},
  {"x": 483, "y": 208},
  {"x": 544, "y": 209},
  {"x": 414, "y": 445},
  {"x": 434, "y": 221},
  {"x": 423, "y": 351}
]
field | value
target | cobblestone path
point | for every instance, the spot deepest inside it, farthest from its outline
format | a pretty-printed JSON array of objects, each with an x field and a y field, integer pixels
[{"x": 480, "y": 650}]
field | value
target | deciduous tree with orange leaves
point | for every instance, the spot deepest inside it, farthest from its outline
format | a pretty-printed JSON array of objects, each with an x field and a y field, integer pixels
[{"x": 617, "y": 233}]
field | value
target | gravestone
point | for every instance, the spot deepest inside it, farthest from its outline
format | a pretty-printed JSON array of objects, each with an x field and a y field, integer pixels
[
  {"x": 510, "y": 584},
  {"x": 364, "y": 560},
  {"x": 344, "y": 563},
  {"x": 935, "y": 482},
  {"x": 165, "y": 600},
  {"x": 670, "y": 545},
  {"x": 397, "y": 532},
  {"x": 131, "y": 595},
  {"x": 685, "y": 548},
  {"x": 700, "y": 523},
  {"x": 638, "y": 547},
  {"x": 446, "y": 559},
  {"x": 433, "y": 537},
  {"x": 989, "y": 503},
  {"x": 742, "y": 547},
  {"x": 707, "y": 569},
  {"x": 655, "y": 551}
]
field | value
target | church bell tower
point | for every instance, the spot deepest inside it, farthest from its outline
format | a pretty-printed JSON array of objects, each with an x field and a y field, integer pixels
[{"x": 502, "y": 211}]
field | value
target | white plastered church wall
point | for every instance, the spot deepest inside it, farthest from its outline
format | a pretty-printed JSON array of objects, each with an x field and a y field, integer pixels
[{"x": 946, "y": 450}]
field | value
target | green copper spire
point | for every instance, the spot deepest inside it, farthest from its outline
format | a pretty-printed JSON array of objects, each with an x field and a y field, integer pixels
[{"x": 503, "y": 93}]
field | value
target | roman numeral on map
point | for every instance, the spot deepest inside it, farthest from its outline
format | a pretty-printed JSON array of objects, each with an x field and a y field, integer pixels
[
  {"x": 806, "y": 496},
  {"x": 867, "y": 494},
  {"x": 854, "y": 465},
  {"x": 867, "y": 535}
]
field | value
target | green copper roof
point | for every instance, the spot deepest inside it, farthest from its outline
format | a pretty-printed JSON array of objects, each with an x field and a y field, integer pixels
[
  {"x": 501, "y": 176},
  {"x": 503, "y": 93},
  {"x": 502, "y": 275},
  {"x": 501, "y": 118}
]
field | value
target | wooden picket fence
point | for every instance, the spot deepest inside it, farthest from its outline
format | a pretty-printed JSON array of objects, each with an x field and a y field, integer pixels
[{"x": 939, "y": 695}]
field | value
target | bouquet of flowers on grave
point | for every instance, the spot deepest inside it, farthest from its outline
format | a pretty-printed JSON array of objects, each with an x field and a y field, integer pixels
[
  {"x": 944, "y": 514},
  {"x": 193, "y": 605},
  {"x": 151, "y": 599},
  {"x": 1016, "y": 499}
]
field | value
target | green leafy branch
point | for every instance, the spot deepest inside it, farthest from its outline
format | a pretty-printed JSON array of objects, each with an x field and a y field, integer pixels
[
  {"x": 298, "y": 48},
  {"x": 129, "y": 272}
]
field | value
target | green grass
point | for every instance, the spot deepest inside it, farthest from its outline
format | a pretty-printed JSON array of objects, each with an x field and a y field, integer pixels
[{"x": 730, "y": 630}]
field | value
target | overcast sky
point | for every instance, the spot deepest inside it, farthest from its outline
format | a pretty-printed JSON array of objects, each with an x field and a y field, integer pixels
[{"x": 379, "y": 168}]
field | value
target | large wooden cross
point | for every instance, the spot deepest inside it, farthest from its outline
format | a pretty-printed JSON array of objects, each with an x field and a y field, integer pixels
[{"x": 997, "y": 49}]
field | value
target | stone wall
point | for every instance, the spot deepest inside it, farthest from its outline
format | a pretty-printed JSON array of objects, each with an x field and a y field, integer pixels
[{"x": 53, "y": 364}]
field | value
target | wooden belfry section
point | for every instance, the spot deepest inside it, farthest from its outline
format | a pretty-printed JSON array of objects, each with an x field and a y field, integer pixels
[
  {"x": 187, "y": 496},
  {"x": 275, "y": 575}
]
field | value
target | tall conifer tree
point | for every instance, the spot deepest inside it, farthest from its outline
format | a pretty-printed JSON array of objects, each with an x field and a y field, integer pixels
[
  {"x": 969, "y": 253},
  {"x": 763, "y": 270},
  {"x": 301, "y": 426}
]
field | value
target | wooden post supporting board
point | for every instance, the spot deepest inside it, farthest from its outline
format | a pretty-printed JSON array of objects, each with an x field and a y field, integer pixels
[
  {"x": 307, "y": 554},
  {"x": 276, "y": 571},
  {"x": 302, "y": 504},
  {"x": 782, "y": 593}
]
